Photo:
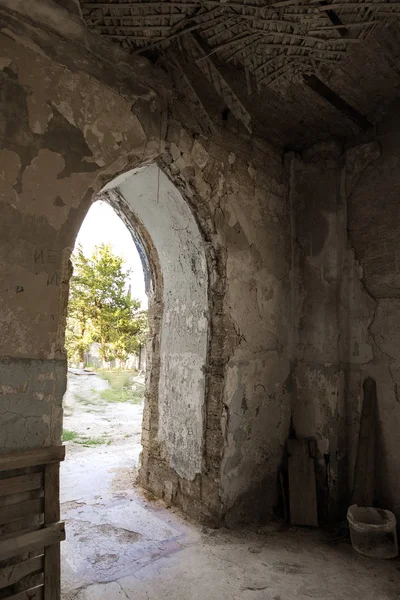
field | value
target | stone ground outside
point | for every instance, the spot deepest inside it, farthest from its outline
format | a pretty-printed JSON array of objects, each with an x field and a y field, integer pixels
[{"x": 122, "y": 544}]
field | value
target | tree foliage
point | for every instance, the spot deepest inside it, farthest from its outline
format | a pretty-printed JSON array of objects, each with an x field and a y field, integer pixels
[{"x": 100, "y": 307}]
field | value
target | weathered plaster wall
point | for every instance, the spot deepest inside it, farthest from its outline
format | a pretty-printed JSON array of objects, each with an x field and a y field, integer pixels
[
  {"x": 248, "y": 253},
  {"x": 30, "y": 413},
  {"x": 68, "y": 127},
  {"x": 318, "y": 247},
  {"x": 374, "y": 228},
  {"x": 55, "y": 142},
  {"x": 254, "y": 221},
  {"x": 332, "y": 313},
  {"x": 345, "y": 297}
]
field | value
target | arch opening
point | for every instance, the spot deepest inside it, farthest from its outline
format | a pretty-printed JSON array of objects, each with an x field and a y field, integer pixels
[
  {"x": 172, "y": 254},
  {"x": 106, "y": 346}
]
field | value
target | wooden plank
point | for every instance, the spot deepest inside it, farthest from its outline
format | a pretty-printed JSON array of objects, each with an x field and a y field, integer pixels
[
  {"x": 19, "y": 527},
  {"x": 22, "y": 483},
  {"x": 284, "y": 496},
  {"x": 15, "y": 545},
  {"x": 364, "y": 475},
  {"x": 52, "y": 566},
  {"x": 14, "y": 573},
  {"x": 21, "y": 497},
  {"x": 35, "y": 593},
  {"x": 52, "y": 493},
  {"x": 302, "y": 488},
  {"x": 52, "y": 572},
  {"x": 31, "y": 458},
  {"x": 23, "y": 526},
  {"x": 14, "y": 512}
]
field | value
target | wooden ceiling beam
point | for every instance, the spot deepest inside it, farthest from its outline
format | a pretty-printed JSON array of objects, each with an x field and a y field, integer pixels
[
  {"x": 152, "y": 4},
  {"x": 212, "y": 3},
  {"x": 178, "y": 34},
  {"x": 220, "y": 84},
  {"x": 240, "y": 38},
  {"x": 335, "y": 20},
  {"x": 297, "y": 35},
  {"x": 348, "y": 26},
  {"x": 194, "y": 17},
  {"x": 325, "y": 92},
  {"x": 311, "y": 49},
  {"x": 135, "y": 38},
  {"x": 256, "y": 7},
  {"x": 279, "y": 57},
  {"x": 227, "y": 21},
  {"x": 258, "y": 33},
  {"x": 137, "y": 17},
  {"x": 304, "y": 36},
  {"x": 357, "y": 5},
  {"x": 203, "y": 118},
  {"x": 241, "y": 51},
  {"x": 106, "y": 28}
]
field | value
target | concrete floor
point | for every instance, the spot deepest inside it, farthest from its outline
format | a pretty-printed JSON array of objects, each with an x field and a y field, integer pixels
[{"x": 122, "y": 545}]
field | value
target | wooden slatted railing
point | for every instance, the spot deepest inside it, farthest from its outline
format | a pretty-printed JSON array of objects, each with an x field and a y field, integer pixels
[{"x": 30, "y": 553}]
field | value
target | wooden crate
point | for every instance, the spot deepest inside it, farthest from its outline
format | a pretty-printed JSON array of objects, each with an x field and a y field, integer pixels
[{"x": 30, "y": 525}]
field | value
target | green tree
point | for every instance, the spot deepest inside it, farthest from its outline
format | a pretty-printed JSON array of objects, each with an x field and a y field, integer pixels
[
  {"x": 79, "y": 327},
  {"x": 129, "y": 334},
  {"x": 101, "y": 308}
]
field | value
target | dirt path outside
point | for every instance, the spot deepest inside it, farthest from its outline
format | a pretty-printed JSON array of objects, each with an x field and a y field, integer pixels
[{"x": 102, "y": 435}]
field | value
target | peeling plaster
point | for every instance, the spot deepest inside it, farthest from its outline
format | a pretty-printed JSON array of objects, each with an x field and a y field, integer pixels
[{"x": 74, "y": 125}]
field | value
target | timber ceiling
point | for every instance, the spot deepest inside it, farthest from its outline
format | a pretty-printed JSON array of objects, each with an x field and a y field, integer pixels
[{"x": 283, "y": 57}]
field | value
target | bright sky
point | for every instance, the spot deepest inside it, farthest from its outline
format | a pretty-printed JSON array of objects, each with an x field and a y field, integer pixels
[{"x": 103, "y": 226}]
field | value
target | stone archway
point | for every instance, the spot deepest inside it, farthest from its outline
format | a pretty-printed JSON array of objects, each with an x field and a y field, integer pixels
[
  {"x": 68, "y": 134},
  {"x": 55, "y": 158},
  {"x": 174, "y": 260}
]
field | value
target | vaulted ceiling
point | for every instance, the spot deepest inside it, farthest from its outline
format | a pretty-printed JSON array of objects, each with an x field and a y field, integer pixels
[{"x": 293, "y": 71}]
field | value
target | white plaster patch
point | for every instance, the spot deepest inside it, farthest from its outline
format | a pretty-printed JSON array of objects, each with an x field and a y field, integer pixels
[
  {"x": 184, "y": 331},
  {"x": 180, "y": 412}
]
